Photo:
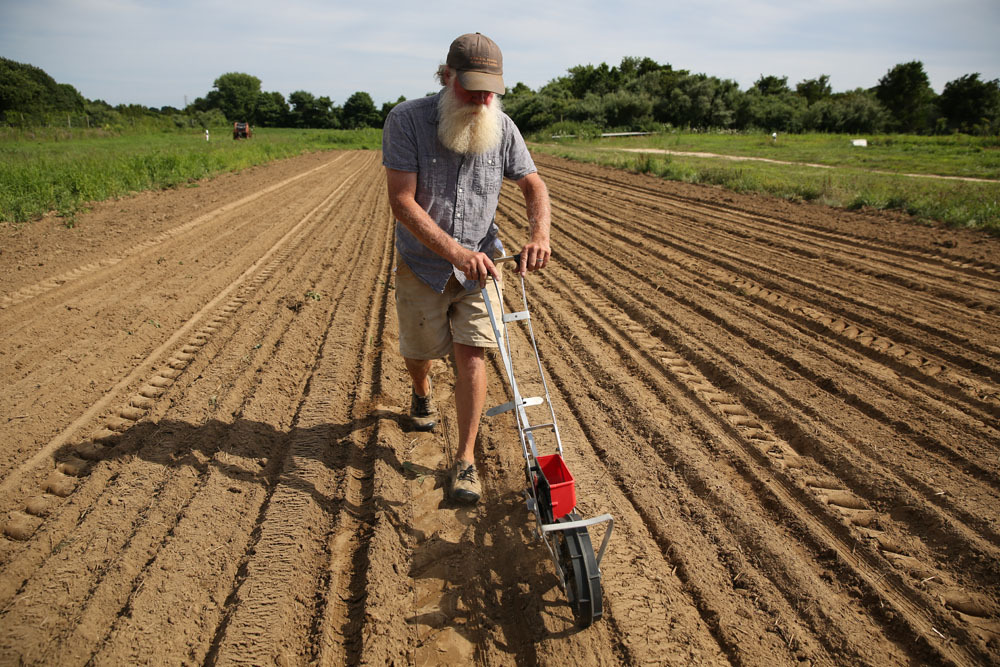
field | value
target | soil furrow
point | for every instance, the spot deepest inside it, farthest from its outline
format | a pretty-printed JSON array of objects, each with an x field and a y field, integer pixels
[
  {"x": 781, "y": 215},
  {"x": 741, "y": 262},
  {"x": 972, "y": 427},
  {"x": 981, "y": 396},
  {"x": 913, "y": 269},
  {"x": 226, "y": 461},
  {"x": 799, "y": 435},
  {"x": 144, "y": 331},
  {"x": 702, "y": 504},
  {"x": 604, "y": 272}
]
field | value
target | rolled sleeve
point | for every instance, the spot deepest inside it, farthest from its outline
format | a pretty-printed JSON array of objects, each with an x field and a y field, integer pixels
[
  {"x": 399, "y": 146},
  {"x": 517, "y": 159}
]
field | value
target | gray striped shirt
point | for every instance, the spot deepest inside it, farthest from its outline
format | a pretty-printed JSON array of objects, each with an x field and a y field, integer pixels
[{"x": 459, "y": 192}]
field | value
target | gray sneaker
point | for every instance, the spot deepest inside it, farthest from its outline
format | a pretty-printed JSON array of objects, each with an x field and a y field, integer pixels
[
  {"x": 422, "y": 412},
  {"x": 464, "y": 483}
]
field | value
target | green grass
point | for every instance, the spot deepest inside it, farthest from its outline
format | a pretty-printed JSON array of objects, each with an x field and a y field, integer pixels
[
  {"x": 851, "y": 184},
  {"x": 62, "y": 170},
  {"x": 947, "y": 155}
]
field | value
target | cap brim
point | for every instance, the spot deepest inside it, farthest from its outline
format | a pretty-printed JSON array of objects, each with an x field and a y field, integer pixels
[{"x": 476, "y": 81}]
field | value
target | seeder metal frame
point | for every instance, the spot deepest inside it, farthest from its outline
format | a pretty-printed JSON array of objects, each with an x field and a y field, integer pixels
[{"x": 552, "y": 501}]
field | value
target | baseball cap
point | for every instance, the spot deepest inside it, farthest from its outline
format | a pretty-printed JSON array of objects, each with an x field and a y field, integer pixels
[{"x": 479, "y": 63}]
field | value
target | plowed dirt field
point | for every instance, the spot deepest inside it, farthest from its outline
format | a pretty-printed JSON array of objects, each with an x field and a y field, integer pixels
[{"x": 793, "y": 414}]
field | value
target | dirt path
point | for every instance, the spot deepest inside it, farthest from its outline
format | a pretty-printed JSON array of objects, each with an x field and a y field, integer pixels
[{"x": 793, "y": 414}]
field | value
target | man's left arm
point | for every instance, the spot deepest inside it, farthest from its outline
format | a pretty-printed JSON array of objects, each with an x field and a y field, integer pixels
[{"x": 535, "y": 254}]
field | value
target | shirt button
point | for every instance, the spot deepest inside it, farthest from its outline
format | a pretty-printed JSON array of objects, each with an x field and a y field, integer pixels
[
  {"x": 461, "y": 190},
  {"x": 433, "y": 160},
  {"x": 458, "y": 215}
]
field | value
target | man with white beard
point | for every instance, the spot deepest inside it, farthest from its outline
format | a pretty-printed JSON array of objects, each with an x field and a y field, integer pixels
[{"x": 445, "y": 158}]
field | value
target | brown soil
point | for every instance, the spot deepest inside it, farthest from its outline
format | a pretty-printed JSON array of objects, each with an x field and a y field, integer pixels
[{"x": 791, "y": 412}]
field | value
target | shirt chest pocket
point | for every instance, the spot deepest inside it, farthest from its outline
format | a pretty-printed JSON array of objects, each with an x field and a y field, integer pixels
[
  {"x": 487, "y": 177},
  {"x": 429, "y": 177}
]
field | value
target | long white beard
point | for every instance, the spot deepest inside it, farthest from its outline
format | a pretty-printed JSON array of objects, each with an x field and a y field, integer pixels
[{"x": 468, "y": 129}]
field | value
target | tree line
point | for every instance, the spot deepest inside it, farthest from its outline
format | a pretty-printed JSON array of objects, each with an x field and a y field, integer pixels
[
  {"x": 637, "y": 95},
  {"x": 239, "y": 97},
  {"x": 30, "y": 97},
  {"x": 641, "y": 94}
]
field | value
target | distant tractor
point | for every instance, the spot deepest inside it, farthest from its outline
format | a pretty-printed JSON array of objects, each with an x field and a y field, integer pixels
[{"x": 242, "y": 131}]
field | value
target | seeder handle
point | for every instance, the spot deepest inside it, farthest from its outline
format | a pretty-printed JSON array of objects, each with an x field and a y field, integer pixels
[{"x": 516, "y": 259}]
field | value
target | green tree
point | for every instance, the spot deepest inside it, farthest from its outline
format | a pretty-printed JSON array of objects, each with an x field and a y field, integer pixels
[
  {"x": 906, "y": 92},
  {"x": 29, "y": 89},
  {"x": 814, "y": 90},
  {"x": 854, "y": 112},
  {"x": 698, "y": 100},
  {"x": 237, "y": 97},
  {"x": 634, "y": 68},
  {"x": 530, "y": 111},
  {"x": 311, "y": 111},
  {"x": 271, "y": 110},
  {"x": 599, "y": 80},
  {"x": 389, "y": 106},
  {"x": 626, "y": 111},
  {"x": 772, "y": 85},
  {"x": 359, "y": 111},
  {"x": 102, "y": 114},
  {"x": 302, "y": 108},
  {"x": 970, "y": 105}
]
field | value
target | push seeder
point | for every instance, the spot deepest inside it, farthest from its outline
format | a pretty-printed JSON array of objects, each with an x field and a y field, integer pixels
[{"x": 551, "y": 493}]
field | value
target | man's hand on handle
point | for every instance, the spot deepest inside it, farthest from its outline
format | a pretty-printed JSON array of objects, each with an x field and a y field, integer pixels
[
  {"x": 534, "y": 256},
  {"x": 476, "y": 266}
]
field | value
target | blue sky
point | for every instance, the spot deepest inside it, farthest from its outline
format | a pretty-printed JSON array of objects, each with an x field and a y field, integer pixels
[{"x": 158, "y": 53}]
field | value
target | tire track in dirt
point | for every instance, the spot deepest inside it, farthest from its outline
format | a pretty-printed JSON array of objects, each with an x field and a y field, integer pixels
[
  {"x": 727, "y": 404},
  {"x": 170, "y": 369},
  {"x": 90, "y": 361},
  {"x": 963, "y": 423},
  {"x": 329, "y": 281},
  {"x": 296, "y": 517},
  {"x": 749, "y": 225},
  {"x": 603, "y": 418},
  {"x": 149, "y": 310}
]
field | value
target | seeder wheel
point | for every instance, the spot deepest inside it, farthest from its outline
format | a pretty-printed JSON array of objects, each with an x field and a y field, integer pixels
[{"x": 583, "y": 578}]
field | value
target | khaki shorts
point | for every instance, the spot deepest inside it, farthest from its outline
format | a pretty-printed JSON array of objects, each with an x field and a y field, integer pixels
[{"x": 429, "y": 323}]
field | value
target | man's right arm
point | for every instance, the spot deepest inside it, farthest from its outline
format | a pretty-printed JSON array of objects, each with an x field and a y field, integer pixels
[{"x": 402, "y": 187}]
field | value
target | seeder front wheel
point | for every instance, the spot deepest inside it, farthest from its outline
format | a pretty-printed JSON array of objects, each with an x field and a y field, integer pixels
[{"x": 583, "y": 577}]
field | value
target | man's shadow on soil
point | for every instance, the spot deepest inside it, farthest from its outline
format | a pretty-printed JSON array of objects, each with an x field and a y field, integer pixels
[
  {"x": 495, "y": 574},
  {"x": 495, "y": 579}
]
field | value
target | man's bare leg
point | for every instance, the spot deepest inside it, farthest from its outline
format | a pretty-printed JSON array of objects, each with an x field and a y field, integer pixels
[
  {"x": 420, "y": 375},
  {"x": 470, "y": 395}
]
